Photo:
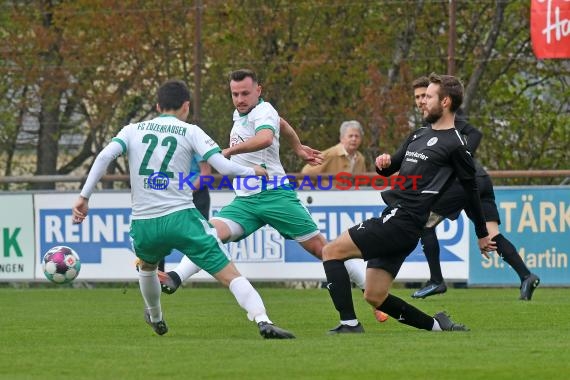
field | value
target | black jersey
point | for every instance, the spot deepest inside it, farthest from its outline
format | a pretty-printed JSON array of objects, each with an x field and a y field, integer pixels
[
  {"x": 428, "y": 161},
  {"x": 472, "y": 137}
]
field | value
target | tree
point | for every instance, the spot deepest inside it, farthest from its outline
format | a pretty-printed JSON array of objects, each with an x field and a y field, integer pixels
[{"x": 79, "y": 70}]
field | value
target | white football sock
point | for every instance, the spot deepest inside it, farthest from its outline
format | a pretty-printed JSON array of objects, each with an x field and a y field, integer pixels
[
  {"x": 350, "y": 322},
  {"x": 356, "y": 271},
  {"x": 150, "y": 290},
  {"x": 186, "y": 268},
  {"x": 436, "y": 326},
  {"x": 249, "y": 299}
]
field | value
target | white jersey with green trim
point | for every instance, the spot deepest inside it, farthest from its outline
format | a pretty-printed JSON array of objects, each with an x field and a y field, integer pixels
[
  {"x": 262, "y": 116},
  {"x": 160, "y": 153}
]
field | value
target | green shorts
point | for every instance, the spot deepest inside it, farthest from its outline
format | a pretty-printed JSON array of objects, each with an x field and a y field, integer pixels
[
  {"x": 279, "y": 208},
  {"x": 185, "y": 230}
]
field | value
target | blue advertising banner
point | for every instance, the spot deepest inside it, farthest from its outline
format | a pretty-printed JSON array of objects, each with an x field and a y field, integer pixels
[
  {"x": 334, "y": 212},
  {"x": 333, "y": 220},
  {"x": 537, "y": 221},
  {"x": 103, "y": 244},
  {"x": 103, "y": 228},
  {"x": 102, "y": 240}
]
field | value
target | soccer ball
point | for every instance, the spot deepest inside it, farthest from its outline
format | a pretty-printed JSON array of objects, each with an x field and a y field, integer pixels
[{"x": 61, "y": 264}]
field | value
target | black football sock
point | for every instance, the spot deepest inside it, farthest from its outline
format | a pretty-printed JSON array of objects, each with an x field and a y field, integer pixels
[
  {"x": 509, "y": 253},
  {"x": 175, "y": 277},
  {"x": 340, "y": 290},
  {"x": 430, "y": 245},
  {"x": 405, "y": 313}
]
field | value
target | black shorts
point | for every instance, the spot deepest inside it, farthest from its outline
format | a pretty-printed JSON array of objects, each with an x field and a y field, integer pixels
[
  {"x": 487, "y": 195},
  {"x": 385, "y": 242},
  {"x": 451, "y": 202}
]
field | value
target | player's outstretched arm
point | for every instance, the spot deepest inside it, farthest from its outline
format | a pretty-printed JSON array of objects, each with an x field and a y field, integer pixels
[
  {"x": 261, "y": 140},
  {"x": 383, "y": 161},
  {"x": 227, "y": 167},
  {"x": 80, "y": 209},
  {"x": 104, "y": 158},
  {"x": 311, "y": 156},
  {"x": 486, "y": 245},
  {"x": 388, "y": 164}
]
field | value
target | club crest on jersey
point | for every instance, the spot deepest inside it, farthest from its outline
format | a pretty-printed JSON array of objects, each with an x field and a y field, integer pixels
[{"x": 432, "y": 141}]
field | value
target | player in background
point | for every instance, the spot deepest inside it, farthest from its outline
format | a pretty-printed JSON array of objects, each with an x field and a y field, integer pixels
[
  {"x": 450, "y": 204},
  {"x": 430, "y": 159},
  {"x": 163, "y": 214},
  {"x": 254, "y": 140}
]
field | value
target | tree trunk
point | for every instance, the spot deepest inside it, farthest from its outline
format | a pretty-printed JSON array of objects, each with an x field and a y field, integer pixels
[
  {"x": 48, "y": 149},
  {"x": 49, "y": 95}
]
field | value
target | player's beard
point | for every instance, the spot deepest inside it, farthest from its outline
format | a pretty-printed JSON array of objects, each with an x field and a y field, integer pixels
[
  {"x": 245, "y": 108},
  {"x": 433, "y": 115}
]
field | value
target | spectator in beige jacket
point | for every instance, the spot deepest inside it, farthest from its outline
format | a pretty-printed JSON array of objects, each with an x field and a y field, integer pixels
[{"x": 343, "y": 157}]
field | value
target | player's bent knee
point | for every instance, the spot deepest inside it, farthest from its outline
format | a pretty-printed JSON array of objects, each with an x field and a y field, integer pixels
[
  {"x": 375, "y": 297},
  {"x": 226, "y": 229},
  {"x": 331, "y": 251},
  {"x": 222, "y": 229}
]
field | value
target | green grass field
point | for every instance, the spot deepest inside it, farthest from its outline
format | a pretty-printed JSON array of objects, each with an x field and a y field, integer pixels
[{"x": 66, "y": 333}]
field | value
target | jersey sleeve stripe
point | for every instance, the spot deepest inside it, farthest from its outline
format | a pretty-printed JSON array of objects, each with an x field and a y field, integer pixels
[
  {"x": 123, "y": 145},
  {"x": 210, "y": 153},
  {"x": 459, "y": 137},
  {"x": 265, "y": 127}
]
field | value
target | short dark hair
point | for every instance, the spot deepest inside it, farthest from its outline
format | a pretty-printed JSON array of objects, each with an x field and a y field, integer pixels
[
  {"x": 241, "y": 74},
  {"x": 420, "y": 82},
  {"x": 172, "y": 94},
  {"x": 449, "y": 86}
]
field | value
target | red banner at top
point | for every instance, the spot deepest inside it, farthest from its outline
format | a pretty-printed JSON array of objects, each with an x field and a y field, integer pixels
[{"x": 550, "y": 28}]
